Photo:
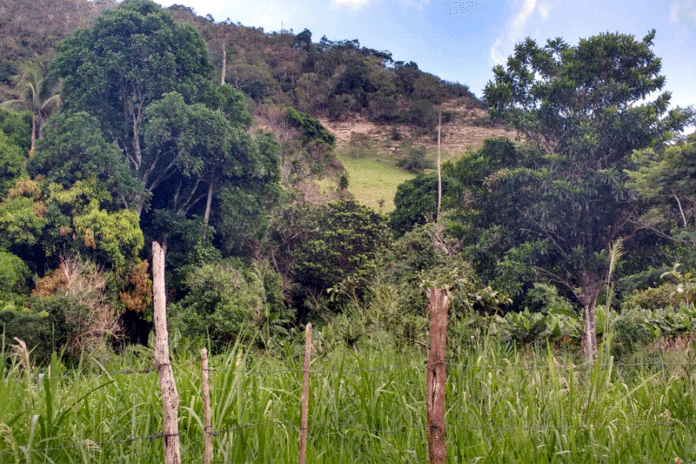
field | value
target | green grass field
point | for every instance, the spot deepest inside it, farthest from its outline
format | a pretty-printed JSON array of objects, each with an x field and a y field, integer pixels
[
  {"x": 373, "y": 182},
  {"x": 367, "y": 405}
]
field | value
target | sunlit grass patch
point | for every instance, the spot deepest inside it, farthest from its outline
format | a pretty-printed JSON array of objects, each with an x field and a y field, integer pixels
[{"x": 373, "y": 182}]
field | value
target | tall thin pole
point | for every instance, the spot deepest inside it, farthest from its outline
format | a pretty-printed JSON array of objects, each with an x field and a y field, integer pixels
[
  {"x": 439, "y": 170},
  {"x": 170, "y": 396},
  {"x": 205, "y": 380},
  {"x": 305, "y": 393}
]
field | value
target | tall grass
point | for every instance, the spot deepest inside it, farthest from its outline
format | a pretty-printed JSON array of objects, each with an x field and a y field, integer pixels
[{"x": 367, "y": 405}]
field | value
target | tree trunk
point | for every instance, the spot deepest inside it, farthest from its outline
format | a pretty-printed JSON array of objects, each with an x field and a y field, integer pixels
[
  {"x": 224, "y": 63},
  {"x": 589, "y": 344},
  {"x": 208, "y": 203},
  {"x": 34, "y": 129},
  {"x": 589, "y": 294}
]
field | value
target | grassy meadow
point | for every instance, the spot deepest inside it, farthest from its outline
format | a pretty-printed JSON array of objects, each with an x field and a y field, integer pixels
[
  {"x": 373, "y": 182},
  {"x": 367, "y": 405}
]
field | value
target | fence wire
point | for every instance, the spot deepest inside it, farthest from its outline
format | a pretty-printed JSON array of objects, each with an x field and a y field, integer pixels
[
  {"x": 343, "y": 426},
  {"x": 316, "y": 372}
]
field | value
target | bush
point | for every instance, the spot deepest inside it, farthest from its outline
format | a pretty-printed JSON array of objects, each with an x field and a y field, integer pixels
[
  {"x": 658, "y": 297},
  {"x": 422, "y": 114},
  {"x": 14, "y": 275},
  {"x": 311, "y": 129},
  {"x": 226, "y": 298},
  {"x": 82, "y": 308},
  {"x": 415, "y": 160},
  {"x": 362, "y": 145},
  {"x": 41, "y": 329}
]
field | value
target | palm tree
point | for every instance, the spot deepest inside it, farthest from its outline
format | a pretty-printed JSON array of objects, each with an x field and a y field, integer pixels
[{"x": 39, "y": 94}]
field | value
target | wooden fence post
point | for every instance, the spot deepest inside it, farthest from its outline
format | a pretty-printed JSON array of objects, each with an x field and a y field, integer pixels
[
  {"x": 438, "y": 308},
  {"x": 170, "y": 397},
  {"x": 305, "y": 393},
  {"x": 205, "y": 379}
]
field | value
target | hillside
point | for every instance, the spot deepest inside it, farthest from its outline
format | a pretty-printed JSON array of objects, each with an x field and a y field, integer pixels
[
  {"x": 375, "y": 107},
  {"x": 467, "y": 129}
]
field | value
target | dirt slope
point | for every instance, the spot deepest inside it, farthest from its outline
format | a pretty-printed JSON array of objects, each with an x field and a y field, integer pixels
[{"x": 467, "y": 130}]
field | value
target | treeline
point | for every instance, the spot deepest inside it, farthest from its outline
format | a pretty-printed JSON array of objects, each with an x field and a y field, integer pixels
[{"x": 336, "y": 79}]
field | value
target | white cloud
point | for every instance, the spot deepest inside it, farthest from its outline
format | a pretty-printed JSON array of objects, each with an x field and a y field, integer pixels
[
  {"x": 683, "y": 11},
  {"x": 356, "y": 4},
  {"x": 674, "y": 13},
  {"x": 515, "y": 29}
]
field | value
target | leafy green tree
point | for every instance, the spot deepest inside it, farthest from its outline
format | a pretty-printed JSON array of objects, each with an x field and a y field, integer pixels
[
  {"x": 22, "y": 218},
  {"x": 415, "y": 202},
  {"x": 188, "y": 147},
  {"x": 17, "y": 127},
  {"x": 241, "y": 218},
  {"x": 14, "y": 275},
  {"x": 586, "y": 107},
  {"x": 15, "y": 141},
  {"x": 664, "y": 177},
  {"x": 128, "y": 59},
  {"x": 12, "y": 161},
  {"x": 324, "y": 246},
  {"x": 74, "y": 149},
  {"x": 43, "y": 221},
  {"x": 224, "y": 299}
]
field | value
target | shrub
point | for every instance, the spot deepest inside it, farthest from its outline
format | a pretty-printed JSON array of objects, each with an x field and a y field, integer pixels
[
  {"x": 82, "y": 309},
  {"x": 14, "y": 274},
  {"x": 415, "y": 160},
  {"x": 226, "y": 298},
  {"x": 658, "y": 297},
  {"x": 422, "y": 114}
]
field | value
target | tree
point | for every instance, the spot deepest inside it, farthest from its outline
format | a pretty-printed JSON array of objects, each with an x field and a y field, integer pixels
[
  {"x": 11, "y": 164},
  {"x": 128, "y": 59},
  {"x": 664, "y": 177},
  {"x": 415, "y": 202},
  {"x": 586, "y": 108},
  {"x": 187, "y": 146},
  {"x": 323, "y": 246},
  {"x": 40, "y": 96}
]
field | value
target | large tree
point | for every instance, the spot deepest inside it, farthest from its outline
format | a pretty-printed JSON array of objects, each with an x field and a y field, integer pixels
[
  {"x": 128, "y": 59},
  {"x": 585, "y": 108}
]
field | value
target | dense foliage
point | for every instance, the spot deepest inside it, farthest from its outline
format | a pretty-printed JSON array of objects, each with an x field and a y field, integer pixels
[{"x": 152, "y": 136}]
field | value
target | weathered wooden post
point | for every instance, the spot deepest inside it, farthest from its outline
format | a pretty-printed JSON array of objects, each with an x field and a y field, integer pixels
[
  {"x": 438, "y": 308},
  {"x": 205, "y": 379},
  {"x": 170, "y": 397},
  {"x": 305, "y": 393}
]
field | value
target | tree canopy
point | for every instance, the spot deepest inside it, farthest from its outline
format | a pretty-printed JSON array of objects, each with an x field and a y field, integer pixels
[
  {"x": 131, "y": 57},
  {"x": 586, "y": 108}
]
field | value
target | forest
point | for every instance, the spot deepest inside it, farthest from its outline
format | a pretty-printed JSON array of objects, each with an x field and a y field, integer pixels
[
  {"x": 568, "y": 251},
  {"x": 140, "y": 124}
]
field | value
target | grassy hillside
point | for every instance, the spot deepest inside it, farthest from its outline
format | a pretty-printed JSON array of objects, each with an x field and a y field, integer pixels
[{"x": 373, "y": 182}]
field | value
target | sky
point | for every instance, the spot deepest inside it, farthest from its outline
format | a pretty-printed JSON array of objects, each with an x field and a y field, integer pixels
[{"x": 461, "y": 41}]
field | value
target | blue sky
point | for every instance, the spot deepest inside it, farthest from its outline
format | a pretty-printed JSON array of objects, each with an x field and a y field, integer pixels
[{"x": 462, "y": 40}]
